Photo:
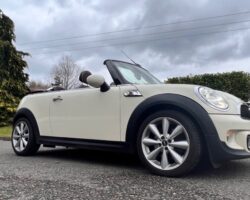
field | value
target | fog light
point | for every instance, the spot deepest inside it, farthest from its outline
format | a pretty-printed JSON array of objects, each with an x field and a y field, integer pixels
[{"x": 248, "y": 142}]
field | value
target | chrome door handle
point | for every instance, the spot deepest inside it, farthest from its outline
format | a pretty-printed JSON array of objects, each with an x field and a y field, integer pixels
[
  {"x": 132, "y": 93},
  {"x": 59, "y": 98}
]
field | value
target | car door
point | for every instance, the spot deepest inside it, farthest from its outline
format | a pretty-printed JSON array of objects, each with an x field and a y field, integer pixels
[{"x": 86, "y": 114}]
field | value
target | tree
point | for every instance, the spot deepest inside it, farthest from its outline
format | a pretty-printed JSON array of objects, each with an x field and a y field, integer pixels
[
  {"x": 57, "y": 81},
  {"x": 66, "y": 72},
  {"x": 12, "y": 77}
]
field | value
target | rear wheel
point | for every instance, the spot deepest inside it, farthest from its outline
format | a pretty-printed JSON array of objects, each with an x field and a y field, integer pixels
[
  {"x": 23, "y": 138},
  {"x": 169, "y": 143}
]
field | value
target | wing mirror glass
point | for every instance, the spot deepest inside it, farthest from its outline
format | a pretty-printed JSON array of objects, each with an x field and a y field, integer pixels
[{"x": 98, "y": 81}]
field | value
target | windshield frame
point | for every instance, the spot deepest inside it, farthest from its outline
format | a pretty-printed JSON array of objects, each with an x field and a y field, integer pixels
[{"x": 119, "y": 79}]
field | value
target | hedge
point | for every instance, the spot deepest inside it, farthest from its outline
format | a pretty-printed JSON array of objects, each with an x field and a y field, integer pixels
[{"x": 236, "y": 83}]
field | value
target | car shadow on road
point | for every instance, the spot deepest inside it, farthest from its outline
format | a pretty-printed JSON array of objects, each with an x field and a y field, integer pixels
[
  {"x": 129, "y": 161},
  {"x": 92, "y": 156}
]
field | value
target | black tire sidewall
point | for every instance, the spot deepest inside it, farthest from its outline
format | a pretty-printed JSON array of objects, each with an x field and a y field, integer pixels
[{"x": 195, "y": 148}]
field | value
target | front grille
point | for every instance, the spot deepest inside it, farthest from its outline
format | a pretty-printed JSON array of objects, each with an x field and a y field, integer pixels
[{"x": 245, "y": 111}]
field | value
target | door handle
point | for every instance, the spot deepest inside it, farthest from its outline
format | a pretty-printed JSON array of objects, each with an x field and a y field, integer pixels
[
  {"x": 132, "y": 93},
  {"x": 59, "y": 98}
]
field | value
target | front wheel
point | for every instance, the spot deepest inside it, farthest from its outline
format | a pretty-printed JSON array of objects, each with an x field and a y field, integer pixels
[
  {"x": 23, "y": 138},
  {"x": 169, "y": 143}
]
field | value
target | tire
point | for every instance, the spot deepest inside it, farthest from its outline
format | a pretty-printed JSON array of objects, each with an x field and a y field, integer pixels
[
  {"x": 174, "y": 153},
  {"x": 23, "y": 138}
]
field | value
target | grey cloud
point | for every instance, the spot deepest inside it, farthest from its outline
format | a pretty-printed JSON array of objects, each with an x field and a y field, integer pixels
[{"x": 46, "y": 20}]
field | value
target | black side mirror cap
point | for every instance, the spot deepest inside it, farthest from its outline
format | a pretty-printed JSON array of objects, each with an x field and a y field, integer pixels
[{"x": 104, "y": 87}]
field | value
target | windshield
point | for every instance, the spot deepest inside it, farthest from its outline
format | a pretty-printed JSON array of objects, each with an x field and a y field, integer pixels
[{"x": 135, "y": 74}]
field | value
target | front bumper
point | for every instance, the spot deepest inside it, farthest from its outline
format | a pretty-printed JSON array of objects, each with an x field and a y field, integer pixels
[
  {"x": 219, "y": 152},
  {"x": 233, "y": 130},
  {"x": 232, "y": 138}
]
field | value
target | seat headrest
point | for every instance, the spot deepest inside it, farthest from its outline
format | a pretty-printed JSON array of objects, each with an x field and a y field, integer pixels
[{"x": 83, "y": 76}]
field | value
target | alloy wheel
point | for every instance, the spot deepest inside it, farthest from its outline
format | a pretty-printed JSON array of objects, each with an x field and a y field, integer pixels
[
  {"x": 165, "y": 143},
  {"x": 20, "y": 136}
]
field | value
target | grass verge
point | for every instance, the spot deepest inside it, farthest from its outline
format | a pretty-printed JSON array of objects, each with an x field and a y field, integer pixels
[{"x": 5, "y": 132}]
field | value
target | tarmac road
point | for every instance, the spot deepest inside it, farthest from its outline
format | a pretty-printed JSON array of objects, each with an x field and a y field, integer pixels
[{"x": 81, "y": 174}]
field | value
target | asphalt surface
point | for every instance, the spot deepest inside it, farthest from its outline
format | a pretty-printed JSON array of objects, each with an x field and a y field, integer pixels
[{"x": 81, "y": 174}]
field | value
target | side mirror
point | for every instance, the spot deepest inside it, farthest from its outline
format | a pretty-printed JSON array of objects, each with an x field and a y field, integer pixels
[{"x": 98, "y": 81}]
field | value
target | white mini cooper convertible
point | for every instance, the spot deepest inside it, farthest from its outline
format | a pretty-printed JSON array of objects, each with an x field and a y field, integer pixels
[{"x": 172, "y": 127}]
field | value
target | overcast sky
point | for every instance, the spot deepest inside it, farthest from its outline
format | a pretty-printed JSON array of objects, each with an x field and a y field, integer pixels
[{"x": 177, "y": 48}]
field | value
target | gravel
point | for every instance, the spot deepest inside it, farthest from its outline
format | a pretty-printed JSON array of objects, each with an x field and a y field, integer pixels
[{"x": 80, "y": 174}]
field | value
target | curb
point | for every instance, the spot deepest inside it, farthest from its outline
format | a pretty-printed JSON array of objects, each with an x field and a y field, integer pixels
[{"x": 5, "y": 138}]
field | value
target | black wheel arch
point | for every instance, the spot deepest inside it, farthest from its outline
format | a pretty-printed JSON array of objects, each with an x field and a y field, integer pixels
[
  {"x": 180, "y": 103},
  {"x": 26, "y": 113}
]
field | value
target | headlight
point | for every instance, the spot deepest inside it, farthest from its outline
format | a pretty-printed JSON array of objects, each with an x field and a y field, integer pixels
[{"x": 212, "y": 98}]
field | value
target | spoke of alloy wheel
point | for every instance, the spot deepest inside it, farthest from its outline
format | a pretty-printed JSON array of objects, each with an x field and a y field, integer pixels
[
  {"x": 22, "y": 127},
  {"x": 152, "y": 155},
  {"x": 179, "y": 144},
  {"x": 175, "y": 156},
  {"x": 177, "y": 131},
  {"x": 24, "y": 142},
  {"x": 164, "y": 159},
  {"x": 21, "y": 145},
  {"x": 18, "y": 130},
  {"x": 155, "y": 130},
  {"x": 165, "y": 126},
  {"x": 15, "y": 136},
  {"x": 17, "y": 142},
  {"x": 14, "y": 142},
  {"x": 25, "y": 128},
  {"x": 148, "y": 141},
  {"x": 26, "y": 135}
]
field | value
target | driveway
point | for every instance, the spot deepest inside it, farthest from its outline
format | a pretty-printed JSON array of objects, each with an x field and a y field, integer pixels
[{"x": 80, "y": 174}]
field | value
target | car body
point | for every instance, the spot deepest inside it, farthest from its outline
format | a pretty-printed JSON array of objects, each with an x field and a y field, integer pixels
[{"x": 171, "y": 126}]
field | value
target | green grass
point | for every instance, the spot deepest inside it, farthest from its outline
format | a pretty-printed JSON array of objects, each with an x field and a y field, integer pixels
[{"x": 5, "y": 131}]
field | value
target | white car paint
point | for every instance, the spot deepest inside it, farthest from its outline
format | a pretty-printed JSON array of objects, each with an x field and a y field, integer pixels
[
  {"x": 86, "y": 113},
  {"x": 90, "y": 114}
]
